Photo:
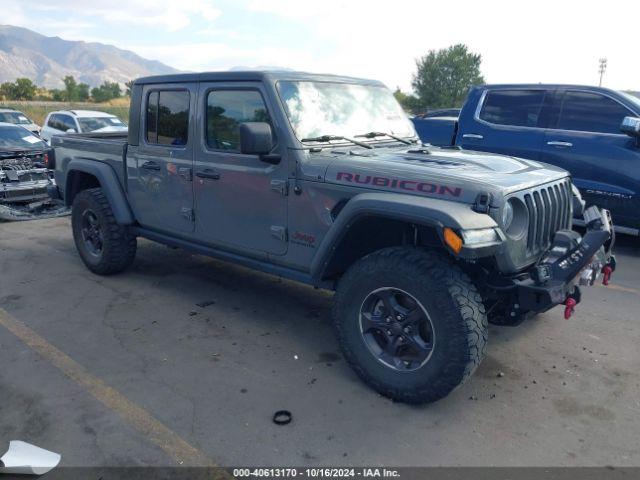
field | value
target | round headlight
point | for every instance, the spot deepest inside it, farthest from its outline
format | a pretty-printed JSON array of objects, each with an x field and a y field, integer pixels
[
  {"x": 507, "y": 216},
  {"x": 515, "y": 218}
]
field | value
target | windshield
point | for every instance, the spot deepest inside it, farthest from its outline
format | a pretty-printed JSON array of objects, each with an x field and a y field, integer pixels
[
  {"x": 91, "y": 124},
  {"x": 18, "y": 138},
  {"x": 327, "y": 108},
  {"x": 18, "y": 118},
  {"x": 633, "y": 99}
]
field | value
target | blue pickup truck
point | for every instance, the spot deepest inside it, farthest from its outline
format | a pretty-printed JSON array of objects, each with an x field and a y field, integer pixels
[{"x": 592, "y": 132}]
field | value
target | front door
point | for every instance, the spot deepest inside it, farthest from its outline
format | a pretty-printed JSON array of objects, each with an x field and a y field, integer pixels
[
  {"x": 240, "y": 200},
  {"x": 585, "y": 139},
  {"x": 160, "y": 167}
]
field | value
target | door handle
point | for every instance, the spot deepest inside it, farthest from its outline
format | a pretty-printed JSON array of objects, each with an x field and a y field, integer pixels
[
  {"x": 473, "y": 135},
  {"x": 560, "y": 144},
  {"x": 150, "y": 166},
  {"x": 208, "y": 173}
]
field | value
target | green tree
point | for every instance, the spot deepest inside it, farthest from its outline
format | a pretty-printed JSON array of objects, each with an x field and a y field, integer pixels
[
  {"x": 444, "y": 77},
  {"x": 129, "y": 86},
  {"x": 105, "y": 92},
  {"x": 82, "y": 92},
  {"x": 21, "y": 89},
  {"x": 407, "y": 101},
  {"x": 70, "y": 88}
]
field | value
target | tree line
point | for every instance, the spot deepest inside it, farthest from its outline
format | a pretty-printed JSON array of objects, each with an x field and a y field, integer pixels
[{"x": 73, "y": 91}]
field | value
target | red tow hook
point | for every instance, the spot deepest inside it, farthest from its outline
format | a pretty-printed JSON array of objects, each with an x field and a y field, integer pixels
[
  {"x": 606, "y": 274},
  {"x": 570, "y": 304}
]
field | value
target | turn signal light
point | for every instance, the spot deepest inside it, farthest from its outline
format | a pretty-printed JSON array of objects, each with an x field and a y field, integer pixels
[{"x": 453, "y": 240}]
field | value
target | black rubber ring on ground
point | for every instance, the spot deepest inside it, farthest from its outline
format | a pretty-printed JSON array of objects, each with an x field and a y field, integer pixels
[{"x": 282, "y": 417}]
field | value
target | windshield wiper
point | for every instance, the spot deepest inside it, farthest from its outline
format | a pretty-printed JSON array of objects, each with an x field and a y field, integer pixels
[
  {"x": 328, "y": 138},
  {"x": 383, "y": 134}
]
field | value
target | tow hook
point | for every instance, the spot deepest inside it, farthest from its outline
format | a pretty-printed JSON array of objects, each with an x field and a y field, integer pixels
[
  {"x": 570, "y": 303},
  {"x": 608, "y": 269}
]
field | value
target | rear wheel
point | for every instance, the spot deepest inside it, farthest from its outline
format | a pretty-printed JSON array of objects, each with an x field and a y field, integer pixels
[
  {"x": 410, "y": 323},
  {"x": 104, "y": 246}
]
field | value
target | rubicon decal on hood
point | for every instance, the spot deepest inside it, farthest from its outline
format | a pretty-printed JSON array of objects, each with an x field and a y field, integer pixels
[{"x": 398, "y": 184}]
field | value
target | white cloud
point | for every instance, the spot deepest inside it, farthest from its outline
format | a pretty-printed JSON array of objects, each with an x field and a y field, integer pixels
[{"x": 171, "y": 15}]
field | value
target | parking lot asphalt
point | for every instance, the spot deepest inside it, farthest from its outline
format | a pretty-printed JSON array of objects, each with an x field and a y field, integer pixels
[{"x": 183, "y": 360}]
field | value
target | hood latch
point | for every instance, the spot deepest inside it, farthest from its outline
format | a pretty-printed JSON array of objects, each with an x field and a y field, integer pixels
[{"x": 483, "y": 203}]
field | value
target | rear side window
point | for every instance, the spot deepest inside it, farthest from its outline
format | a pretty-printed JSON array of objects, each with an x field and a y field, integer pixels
[
  {"x": 53, "y": 121},
  {"x": 226, "y": 110},
  {"x": 519, "y": 108},
  {"x": 61, "y": 122},
  {"x": 168, "y": 117},
  {"x": 591, "y": 112}
]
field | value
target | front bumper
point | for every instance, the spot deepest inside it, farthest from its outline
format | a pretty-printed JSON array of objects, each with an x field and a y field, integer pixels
[{"x": 571, "y": 261}]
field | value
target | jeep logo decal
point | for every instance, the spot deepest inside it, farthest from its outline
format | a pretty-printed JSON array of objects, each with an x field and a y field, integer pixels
[{"x": 408, "y": 185}]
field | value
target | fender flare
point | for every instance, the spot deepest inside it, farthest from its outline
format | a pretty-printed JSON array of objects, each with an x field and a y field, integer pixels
[
  {"x": 109, "y": 183},
  {"x": 424, "y": 211}
]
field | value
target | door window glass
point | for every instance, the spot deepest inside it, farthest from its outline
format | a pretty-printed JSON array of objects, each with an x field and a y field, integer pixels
[
  {"x": 591, "y": 112},
  {"x": 226, "y": 110},
  {"x": 519, "y": 108},
  {"x": 167, "y": 115}
]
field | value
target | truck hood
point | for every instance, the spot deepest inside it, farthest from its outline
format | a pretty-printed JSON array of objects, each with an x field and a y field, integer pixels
[{"x": 440, "y": 172}]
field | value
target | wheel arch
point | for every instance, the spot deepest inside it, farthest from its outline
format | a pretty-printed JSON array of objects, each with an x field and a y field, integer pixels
[
  {"x": 84, "y": 174},
  {"x": 396, "y": 219}
]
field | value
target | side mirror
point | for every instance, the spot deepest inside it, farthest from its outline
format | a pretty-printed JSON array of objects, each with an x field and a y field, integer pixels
[
  {"x": 256, "y": 138},
  {"x": 631, "y": 126},
  {"x": 71, "y": 130}
]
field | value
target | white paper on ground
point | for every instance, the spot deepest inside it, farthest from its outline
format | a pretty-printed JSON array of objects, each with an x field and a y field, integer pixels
[{"x": 24, "y": 458}]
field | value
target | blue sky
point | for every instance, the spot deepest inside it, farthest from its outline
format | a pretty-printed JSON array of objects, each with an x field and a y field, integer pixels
[{"x": 543, "y": 41}]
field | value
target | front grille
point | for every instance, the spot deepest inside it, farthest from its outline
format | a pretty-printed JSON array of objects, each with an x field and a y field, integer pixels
[{"x": 550, "y": 210}]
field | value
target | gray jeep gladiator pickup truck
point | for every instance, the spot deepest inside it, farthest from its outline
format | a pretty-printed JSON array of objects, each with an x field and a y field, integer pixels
[{"x": 322, "y": 179}]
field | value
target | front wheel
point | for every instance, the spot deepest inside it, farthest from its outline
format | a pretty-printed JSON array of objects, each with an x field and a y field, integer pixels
[
  {"x": 104, "y": 246},
  {"x": 410, "y": 323}
]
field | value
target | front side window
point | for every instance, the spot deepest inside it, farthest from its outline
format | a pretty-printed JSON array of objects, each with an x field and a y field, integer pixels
[
  {"x": 168, "y": 117},
  {"x": 226, "y": 110},
  {"x": 591, "y": 112},
  {"x": 316, "y": 109},
  {"x": 67, "y": 123},
  {"x": 519, "y": 108}
]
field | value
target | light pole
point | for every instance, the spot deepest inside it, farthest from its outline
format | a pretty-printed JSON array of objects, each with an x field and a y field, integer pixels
[{"x": 602, "y": 69}]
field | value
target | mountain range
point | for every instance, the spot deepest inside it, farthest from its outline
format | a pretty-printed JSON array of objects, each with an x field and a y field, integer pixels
[{"x": 46, "y": 60}]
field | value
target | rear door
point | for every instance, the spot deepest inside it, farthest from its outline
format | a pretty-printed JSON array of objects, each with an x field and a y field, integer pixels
[
  {"x": 240, "y": 200},
  {"x": 507, "y": 121},
  {"x": 160, "y": 168},
  {"x": 52, "y": 127},
  {"x": 585, "y": 139}
]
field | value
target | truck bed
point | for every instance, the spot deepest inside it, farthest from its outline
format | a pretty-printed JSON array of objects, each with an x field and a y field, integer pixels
[
  {"x": 109, "y": 148},
  {"x": 439, "y": 131}
]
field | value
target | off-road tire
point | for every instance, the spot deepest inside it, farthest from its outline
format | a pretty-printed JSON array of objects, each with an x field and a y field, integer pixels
[
  {"x": 118, "y": 244},
  {"x": 454, "y": 307}
]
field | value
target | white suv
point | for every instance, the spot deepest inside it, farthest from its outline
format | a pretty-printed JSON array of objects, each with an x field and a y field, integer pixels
[{"x": 80, "y": 121}]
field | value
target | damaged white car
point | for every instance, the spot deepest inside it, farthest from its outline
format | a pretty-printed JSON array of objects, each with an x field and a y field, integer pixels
[{"x": 25, "y": 179}]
